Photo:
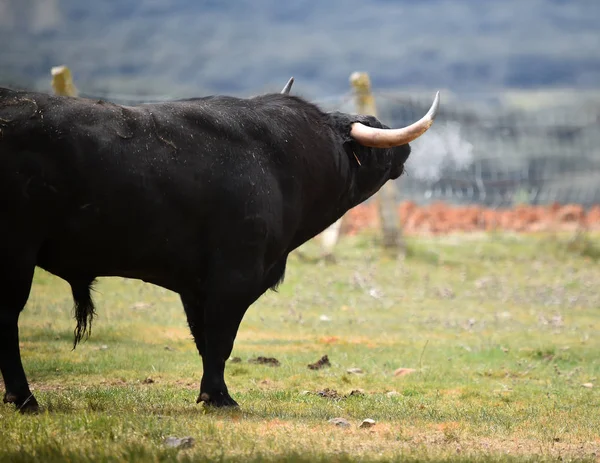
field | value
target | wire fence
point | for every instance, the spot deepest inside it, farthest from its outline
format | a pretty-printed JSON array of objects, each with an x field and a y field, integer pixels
[
  {"x": 493, "y": 155},
  {"x": 488, "y": 154}
]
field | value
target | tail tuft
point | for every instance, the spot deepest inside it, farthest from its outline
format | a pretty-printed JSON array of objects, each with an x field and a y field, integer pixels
[{"x": 84, "y": 309}]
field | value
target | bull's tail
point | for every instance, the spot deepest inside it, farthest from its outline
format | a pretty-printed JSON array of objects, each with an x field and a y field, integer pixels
[{"x": 84, "y": 309}]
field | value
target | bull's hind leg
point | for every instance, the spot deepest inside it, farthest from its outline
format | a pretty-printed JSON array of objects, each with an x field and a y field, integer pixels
[{"x": 15, "y": 284}]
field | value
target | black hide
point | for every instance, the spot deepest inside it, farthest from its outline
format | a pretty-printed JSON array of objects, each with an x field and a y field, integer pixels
[{"x": 205, "y": 197}]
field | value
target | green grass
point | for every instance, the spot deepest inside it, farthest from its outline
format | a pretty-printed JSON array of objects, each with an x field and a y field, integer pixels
[{"x": 501, "y": 330}]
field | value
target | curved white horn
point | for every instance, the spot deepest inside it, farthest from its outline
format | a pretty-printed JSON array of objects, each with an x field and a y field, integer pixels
[{"x": 387, "y": 138}]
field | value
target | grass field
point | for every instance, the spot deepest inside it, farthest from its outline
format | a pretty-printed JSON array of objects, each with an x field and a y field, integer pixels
[{"x": 502, "y": 332}]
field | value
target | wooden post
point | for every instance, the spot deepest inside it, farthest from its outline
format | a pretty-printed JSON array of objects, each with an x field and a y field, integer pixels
[
  {"x": 329, "y": 238},
  {"x": 386, "y": 198},
  {"x": 62, "y": 81}
]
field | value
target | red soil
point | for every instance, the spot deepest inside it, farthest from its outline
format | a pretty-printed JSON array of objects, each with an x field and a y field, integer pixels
[{"x": 440, "y": 218}]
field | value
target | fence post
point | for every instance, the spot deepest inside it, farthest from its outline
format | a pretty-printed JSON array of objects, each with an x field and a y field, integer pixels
[
  {"x": 62, "y": 81},
  {"x": 386, "y": 198},
  {"x": 329, "y": 238}
]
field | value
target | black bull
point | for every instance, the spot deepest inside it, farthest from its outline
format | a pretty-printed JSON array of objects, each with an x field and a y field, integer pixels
[{"x": 206, "y": 197}]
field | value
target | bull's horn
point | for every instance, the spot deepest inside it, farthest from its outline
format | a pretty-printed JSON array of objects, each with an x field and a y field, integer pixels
[
  {"x": 387, "y": 138},
  {"x": 288, "y": 86}
]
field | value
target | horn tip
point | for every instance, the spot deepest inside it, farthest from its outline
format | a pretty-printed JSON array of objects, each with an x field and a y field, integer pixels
[
  {"x": 435, "y": 106},
  {"x": 288, "y": 86}
]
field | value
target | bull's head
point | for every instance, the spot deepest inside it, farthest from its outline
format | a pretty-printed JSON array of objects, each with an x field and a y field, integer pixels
[{"x": 377, "y": 152}]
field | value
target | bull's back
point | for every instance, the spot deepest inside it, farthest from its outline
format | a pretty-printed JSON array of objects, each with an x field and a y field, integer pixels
[
  {"x": 76, "y": 147},
  {"x": 83, "y": 179},
  {"x": 113, "y": 190}
]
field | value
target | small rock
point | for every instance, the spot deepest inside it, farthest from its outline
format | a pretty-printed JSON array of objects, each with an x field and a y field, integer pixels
[
  {"x": 235, "y": 360},
  {"x": 367, "y": 423},
  {"x": 170, "y": 349},
  {"x": 324, "y": 318},
  {"x": 329, "y": 393},
  {"x": 375, "y": 293},
  {"x": 357, "y": 392},
  {"x": 271, "y": 361},
  {"x": 103, "y": 347},
  {"x": 404, "y": 371},
  {"x": 180, "y": 443},
  {"x": 148, "y": 380},
  {"x": 392, "y": 394},
  {"x": 321, "y": 363},
  {"x": 341, "y": 422},
  {"x": 306, "y": 393},
  {"x": 355, "y": 371},
  {"x": 588, "y": 385}
]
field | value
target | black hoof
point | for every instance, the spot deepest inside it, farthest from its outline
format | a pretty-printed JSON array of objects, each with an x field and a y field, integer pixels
[
  {"x": 27, "y": 405},
  {"x": 218, "y": 400}
]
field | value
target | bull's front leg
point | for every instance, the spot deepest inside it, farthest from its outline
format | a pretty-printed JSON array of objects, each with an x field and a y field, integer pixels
[
  {"x": 236, "y": 276},
  {"x": 224, "y": 309},
  {"x": 193, "y": 305},
  {"x": 214, "y": 315},
  {"x": 212, "y": 348},
  {"x": 221, "y": 323}
]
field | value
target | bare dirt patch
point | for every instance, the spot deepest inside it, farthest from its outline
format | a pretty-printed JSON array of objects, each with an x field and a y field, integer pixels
[
  {"x": 442, "y": 218},
  {"x": 323, "y": 362},
  {"x": 270, "y": 361}
]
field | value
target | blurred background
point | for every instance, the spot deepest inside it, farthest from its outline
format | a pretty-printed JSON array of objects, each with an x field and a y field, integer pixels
[{"x": 520, "y": 80}]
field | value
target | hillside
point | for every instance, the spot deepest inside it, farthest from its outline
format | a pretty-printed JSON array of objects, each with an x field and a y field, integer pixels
[{"x": 187, "y": 47}]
